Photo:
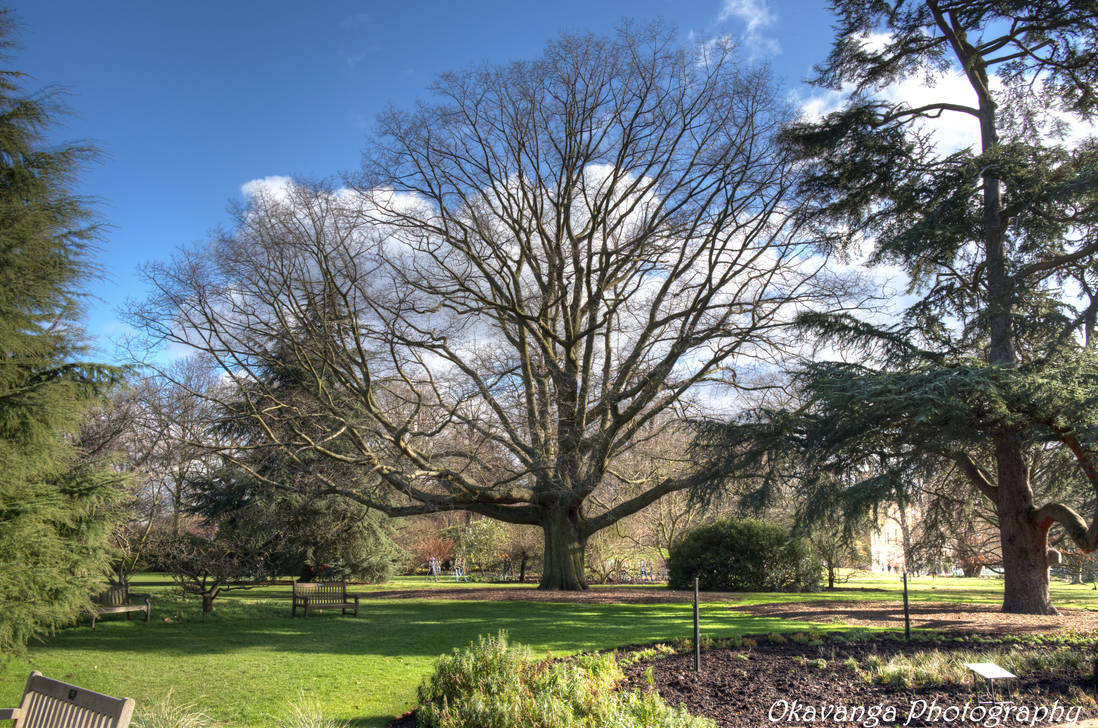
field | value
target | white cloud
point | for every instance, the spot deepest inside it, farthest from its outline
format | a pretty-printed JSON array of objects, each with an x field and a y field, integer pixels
[
  {"x": 274, "y": 187},
  {"x": 952, "y": 130},
  {"x": 757, "y": 17}
]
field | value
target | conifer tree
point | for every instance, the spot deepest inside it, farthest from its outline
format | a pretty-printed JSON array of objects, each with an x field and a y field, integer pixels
[
  {"x": 55, "y": 510},
  {"x": 990, "y": 369}
]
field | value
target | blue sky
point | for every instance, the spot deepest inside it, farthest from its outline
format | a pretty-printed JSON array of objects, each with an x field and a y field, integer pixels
[{"x": 189, "y": 101}]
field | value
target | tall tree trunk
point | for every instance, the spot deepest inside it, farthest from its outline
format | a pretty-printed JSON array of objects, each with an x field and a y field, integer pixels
[
  {"x": 1025, "y": 566},
  {"x": 564, "y": 551},
  {"x": 1025, "y": 542}
]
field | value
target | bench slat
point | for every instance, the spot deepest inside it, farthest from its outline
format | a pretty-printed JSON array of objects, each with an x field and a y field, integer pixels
[
  {"x": 67, "y": 694},
  {"x": 116, "y": 600},
  {"x": 49, "y": 703},
  {"x": 322, "y": 595}
]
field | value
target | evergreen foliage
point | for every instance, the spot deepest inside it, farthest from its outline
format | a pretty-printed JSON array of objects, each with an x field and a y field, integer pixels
[
  {"x": 743, "y": 555},
  {"x": 277, "y": 504},
  {"x": 55, "y": 512},
  {"x": 315, "y": 537}
]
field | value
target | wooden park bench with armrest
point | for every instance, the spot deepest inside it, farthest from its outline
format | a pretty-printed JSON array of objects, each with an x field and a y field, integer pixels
[
  {"x": 49, "y": 703},
  {"x": 323, "y": 595},
  {"x": 116, "y": 600}
]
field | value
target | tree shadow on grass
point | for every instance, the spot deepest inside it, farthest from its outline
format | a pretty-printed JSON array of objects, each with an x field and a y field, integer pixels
[
  {"x": 414, "y": 628},
  {"x": 389, "y": 647}
]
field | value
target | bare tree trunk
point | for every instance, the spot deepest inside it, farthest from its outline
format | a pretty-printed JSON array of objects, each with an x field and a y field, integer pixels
[
  {"x": 564, "y": 551},
  {"x": 1025, "y": 541},
  {"x": 1025, "y": 568}
]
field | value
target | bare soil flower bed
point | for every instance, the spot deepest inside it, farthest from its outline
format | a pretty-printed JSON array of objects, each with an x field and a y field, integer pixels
[{"x": 772, "y": 684}]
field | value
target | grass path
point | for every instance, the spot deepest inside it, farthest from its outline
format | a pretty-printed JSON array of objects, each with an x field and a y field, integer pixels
[{"x": 249, "y": 660}]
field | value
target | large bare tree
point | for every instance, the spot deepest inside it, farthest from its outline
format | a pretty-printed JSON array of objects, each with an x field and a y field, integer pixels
[{"x": 535, "y": 268}]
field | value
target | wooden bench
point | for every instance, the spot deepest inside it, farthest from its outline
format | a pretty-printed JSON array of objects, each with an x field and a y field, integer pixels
[
  {"x": 49, "y": 703},
  {"x": 323, "y": 595},
  {"x": 116, "y": 600}
]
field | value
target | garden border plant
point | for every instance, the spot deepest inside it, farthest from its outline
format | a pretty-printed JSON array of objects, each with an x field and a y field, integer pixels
[{"x": 493, "y": 684}]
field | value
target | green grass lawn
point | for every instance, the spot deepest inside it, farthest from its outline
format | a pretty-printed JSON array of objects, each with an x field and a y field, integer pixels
[{"x": 249, "y": 659}]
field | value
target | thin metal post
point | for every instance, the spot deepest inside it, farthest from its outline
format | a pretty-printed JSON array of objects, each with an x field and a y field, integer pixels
[
  {"x": 697, "y": 631},
  {"x": 907, "y": 610},
  {"x": 907, "y": 553}
]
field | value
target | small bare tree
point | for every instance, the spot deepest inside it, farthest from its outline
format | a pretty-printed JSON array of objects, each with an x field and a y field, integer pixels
[
  {"x": 206, "y": 566},
  {"x": 533, "y": 268},
  {"x": 153, "y": 431}
]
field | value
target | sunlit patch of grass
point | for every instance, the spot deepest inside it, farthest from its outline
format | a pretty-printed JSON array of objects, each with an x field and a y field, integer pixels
[{"x": 238, "y": 664}]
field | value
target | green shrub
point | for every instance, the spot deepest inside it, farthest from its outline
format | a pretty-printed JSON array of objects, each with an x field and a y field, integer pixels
[
  {"x": 743, "y": 555},
  {"x": 492, "y": 684}
]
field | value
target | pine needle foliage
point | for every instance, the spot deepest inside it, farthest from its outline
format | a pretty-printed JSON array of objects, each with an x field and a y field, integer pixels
[{"x": 54, "y": 504}]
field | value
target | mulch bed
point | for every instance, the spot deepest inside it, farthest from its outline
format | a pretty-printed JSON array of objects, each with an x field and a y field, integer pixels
[{"x": 773, "y": 684}]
